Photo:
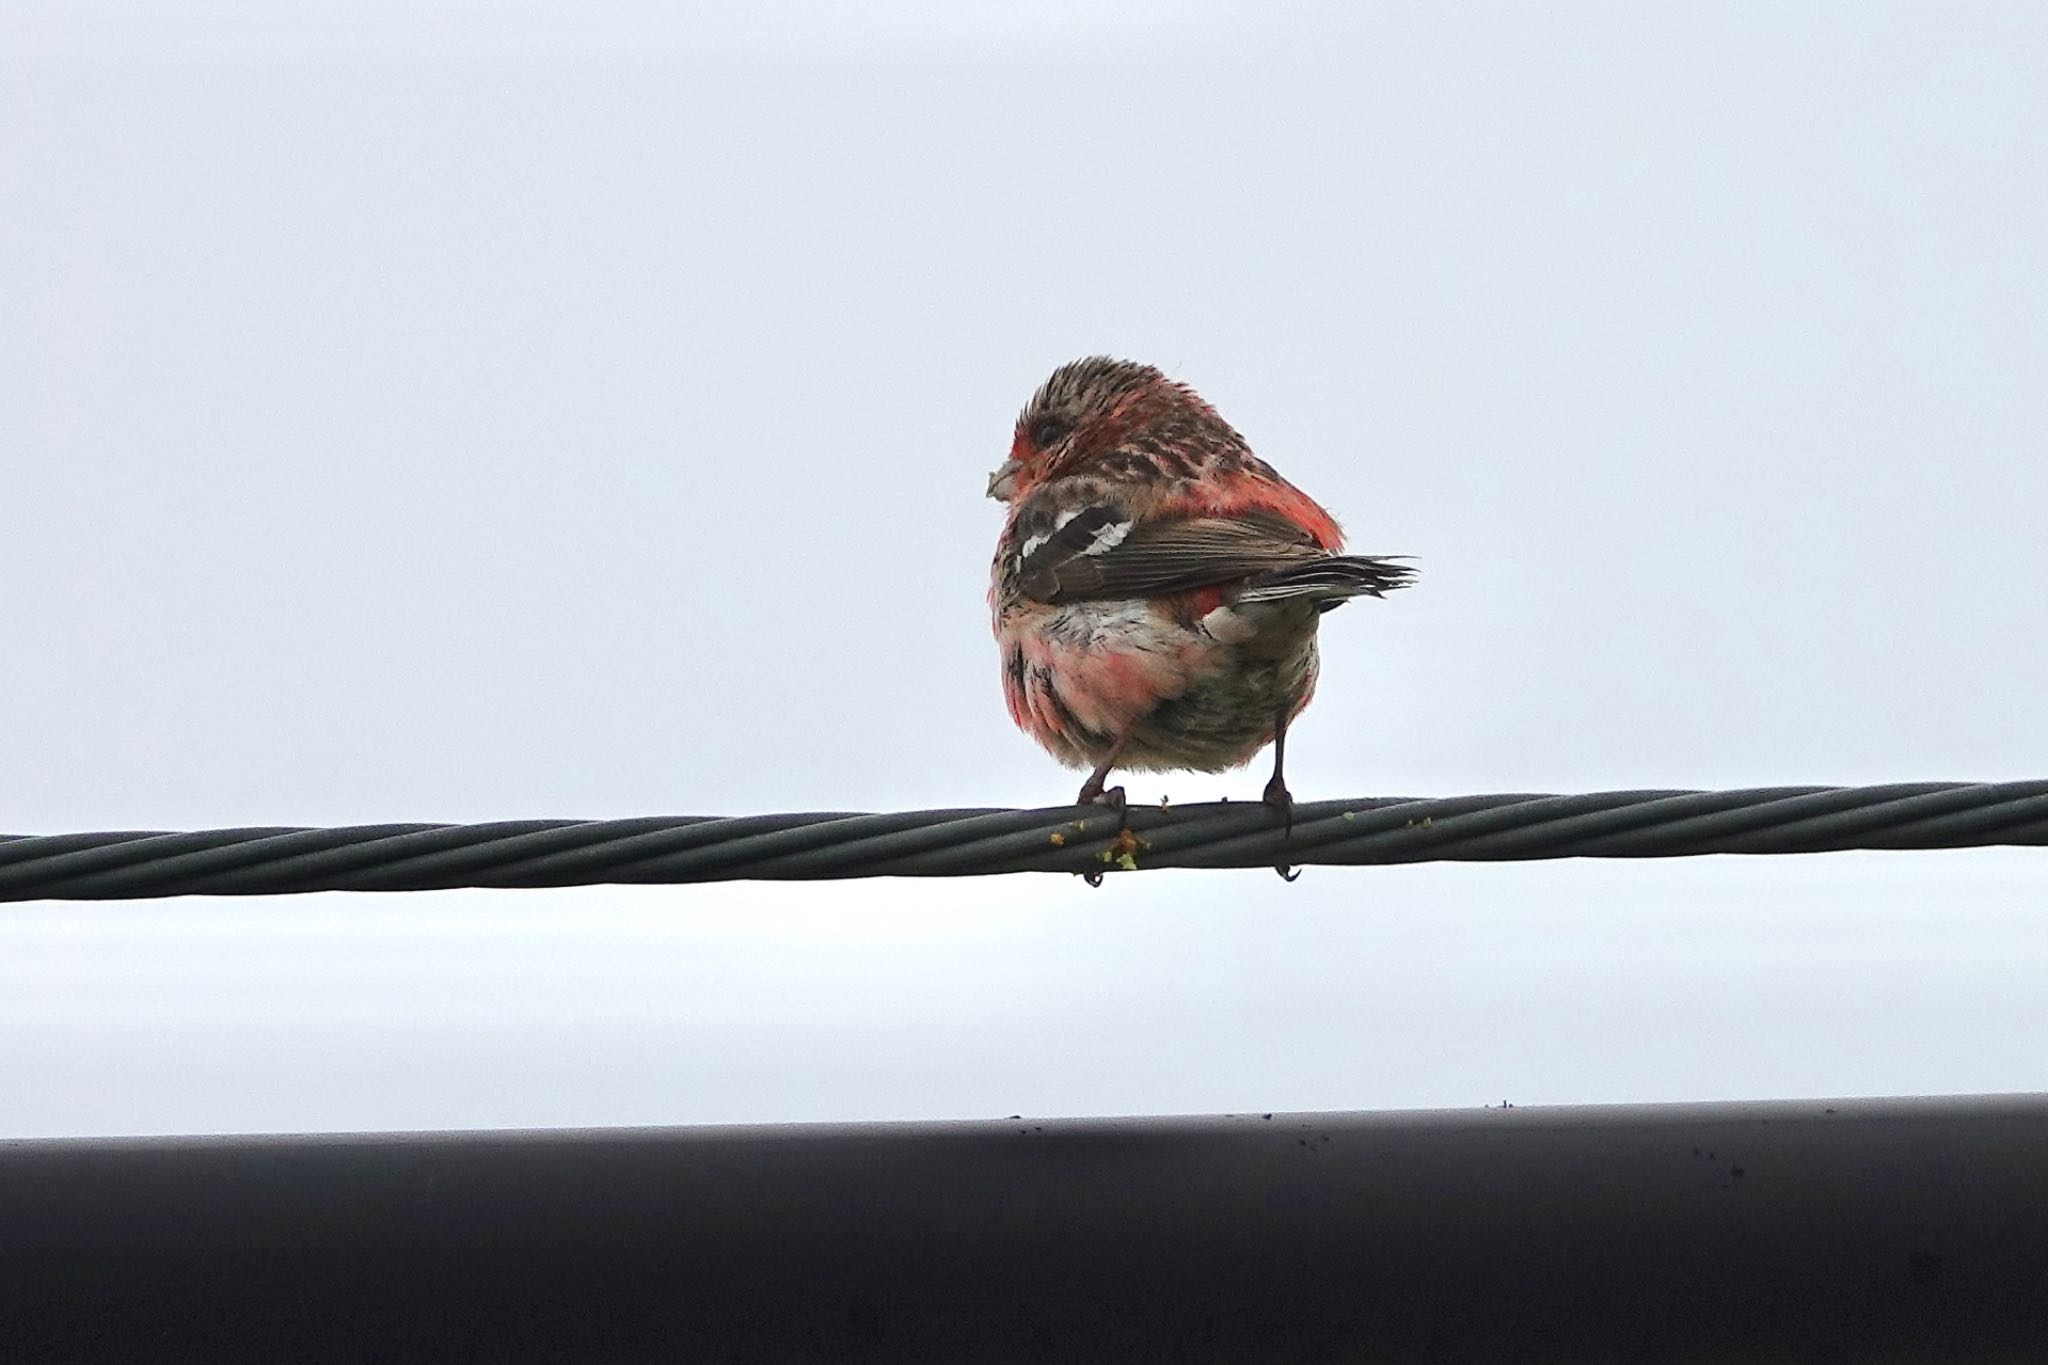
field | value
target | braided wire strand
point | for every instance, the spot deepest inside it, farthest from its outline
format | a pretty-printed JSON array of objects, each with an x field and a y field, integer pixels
[{"x": 959, "y": 843}]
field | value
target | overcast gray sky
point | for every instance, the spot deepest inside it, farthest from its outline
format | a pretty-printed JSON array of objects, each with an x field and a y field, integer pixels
[{"x": 475, "y": 411}]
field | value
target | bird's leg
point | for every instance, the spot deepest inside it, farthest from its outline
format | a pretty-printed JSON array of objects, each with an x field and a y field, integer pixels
[
  {"x": 1092, "y": 791},
  {"x": 1276, "y": 795}
]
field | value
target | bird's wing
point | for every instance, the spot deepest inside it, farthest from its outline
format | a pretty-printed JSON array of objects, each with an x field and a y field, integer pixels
[{"x": 1101, "y": 552}]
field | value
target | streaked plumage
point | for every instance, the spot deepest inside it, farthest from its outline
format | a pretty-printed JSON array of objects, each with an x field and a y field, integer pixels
[{"x": 1157, "y": 586}]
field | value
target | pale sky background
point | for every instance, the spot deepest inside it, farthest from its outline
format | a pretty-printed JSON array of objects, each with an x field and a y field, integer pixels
[{"x": 484, "y": 411}]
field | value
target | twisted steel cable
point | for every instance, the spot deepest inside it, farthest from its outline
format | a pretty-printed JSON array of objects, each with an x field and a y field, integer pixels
[{"x": 956, "y": 843}]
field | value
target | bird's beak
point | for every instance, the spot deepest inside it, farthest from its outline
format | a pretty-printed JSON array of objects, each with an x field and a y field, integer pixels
[{"x": 1002, "y": 485}]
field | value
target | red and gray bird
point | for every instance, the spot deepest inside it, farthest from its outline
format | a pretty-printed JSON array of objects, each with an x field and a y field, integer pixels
[{"x": 1157, "y": 586}]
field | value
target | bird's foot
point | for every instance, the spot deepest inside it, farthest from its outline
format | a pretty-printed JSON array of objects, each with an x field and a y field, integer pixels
[
  {"x": 1279, "y": 799},
  {"x": 1094, "y": 794}
]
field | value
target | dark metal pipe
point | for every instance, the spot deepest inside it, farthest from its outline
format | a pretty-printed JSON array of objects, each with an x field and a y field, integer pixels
[{"x": 1843, "y": 1231}]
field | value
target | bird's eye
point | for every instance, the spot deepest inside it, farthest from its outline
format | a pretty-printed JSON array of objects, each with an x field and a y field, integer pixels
[{"x": 1048, "y": 432}]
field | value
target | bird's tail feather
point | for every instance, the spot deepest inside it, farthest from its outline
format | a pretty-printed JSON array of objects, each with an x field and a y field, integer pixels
[{"x": 1331, "y": 580}]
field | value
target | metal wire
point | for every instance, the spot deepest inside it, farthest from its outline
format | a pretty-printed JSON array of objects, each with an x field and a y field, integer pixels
[{"x": 1072, "y": 839}]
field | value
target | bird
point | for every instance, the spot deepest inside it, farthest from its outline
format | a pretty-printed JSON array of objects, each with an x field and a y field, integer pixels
[{"x": 1157, "y": 587}]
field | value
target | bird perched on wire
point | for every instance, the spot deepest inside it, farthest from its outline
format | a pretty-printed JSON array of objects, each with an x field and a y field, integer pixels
[{"x": 1157, "y": 586}]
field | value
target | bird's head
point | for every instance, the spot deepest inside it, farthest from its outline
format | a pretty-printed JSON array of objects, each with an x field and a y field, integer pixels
[{"x": 1087, "y": 408}]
